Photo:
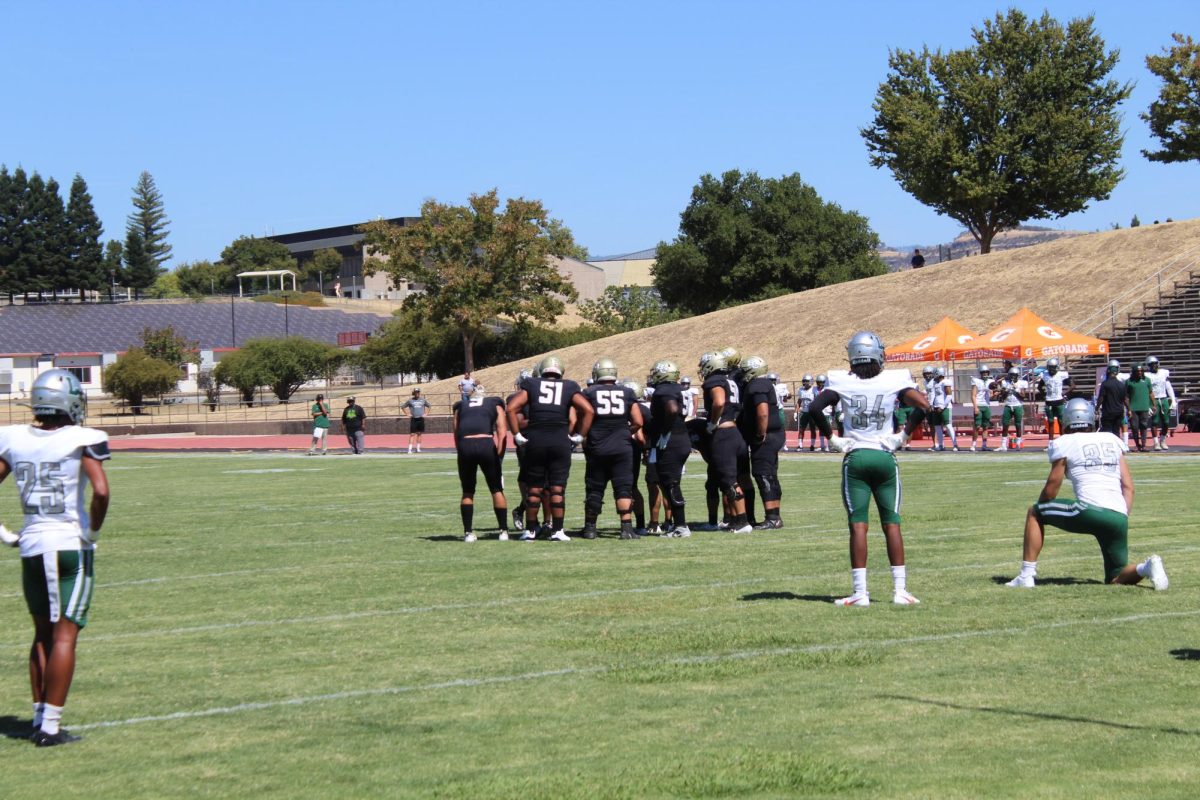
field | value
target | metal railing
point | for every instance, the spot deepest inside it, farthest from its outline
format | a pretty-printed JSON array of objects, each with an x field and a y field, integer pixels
[{"x": 1138, "y": 293}]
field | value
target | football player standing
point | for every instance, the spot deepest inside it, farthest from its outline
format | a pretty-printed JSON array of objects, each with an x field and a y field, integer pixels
[
  {"x": 804, "y": 420},
  {"x": 548, "y": 439},
  {"x": 981, "y": 406},
  {"x": 609, "y": 451},
  {"x": 480, "y": 435},
  {"x": 868, "y": 395},
  {"x": 1055, "y": 383},
  {"x": 53, "y": 462},
  {"x": 668, "y": 441},
  {"x": 1095, "y": 464},
  {"x": 1163, "y": 401},
  {"x": 722, "y": 404},
  {"x": 762, "y": 427}
]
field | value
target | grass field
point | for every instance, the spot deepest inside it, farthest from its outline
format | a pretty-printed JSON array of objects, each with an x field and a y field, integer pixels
[{"x": 281, "y": 626}]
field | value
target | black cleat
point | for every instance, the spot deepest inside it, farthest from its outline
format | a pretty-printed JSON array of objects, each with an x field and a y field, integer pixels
[
  {"x": 43, "y": 739},
  {"x": 769, "y": 525},
  {"x": 588, "y": 532},
  {"x": 518, "y": 519},
  {"x": 627, "y": 533}
]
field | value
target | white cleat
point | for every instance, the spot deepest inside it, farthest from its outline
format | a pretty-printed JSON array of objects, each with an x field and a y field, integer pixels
[
  {"x": 468, "y": 537},
  {"x": 679, "y": 532},
  {"x": 1158, "y": 575},
  {"x": 503, "y": 536},
  {"x": 744, "y": 529},
  {"x": 1021, "y": 582},
  {"x": 972, "y": 448},
  {"x": 560, "y": 536},
  {"x": 903, "y": 598},
  {"x": 528, "y": 536},
  {"x": 861, "y": 600},
  {"x": 1164, "y": 445}
]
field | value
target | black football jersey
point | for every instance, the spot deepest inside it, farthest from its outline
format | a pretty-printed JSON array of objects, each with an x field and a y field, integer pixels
[
  {"x": 477, "y": 415},
  {"x": 733, "y": 396},
  {"x": 661, "y": 421},
  {"x": 759, "y": 390},
  {"x": 613, "y": 404},
  {"x": 549, "y": 404}
]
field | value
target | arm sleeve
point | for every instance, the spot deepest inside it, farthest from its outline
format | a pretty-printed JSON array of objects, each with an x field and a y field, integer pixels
[{"x": 826, "y": 398}]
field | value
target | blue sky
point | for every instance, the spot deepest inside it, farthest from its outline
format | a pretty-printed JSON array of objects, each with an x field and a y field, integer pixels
[{"x": 268, "y": 117}]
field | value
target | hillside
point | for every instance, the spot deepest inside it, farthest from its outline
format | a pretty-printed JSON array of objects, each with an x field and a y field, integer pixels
[{"x": 964, "y": 246}]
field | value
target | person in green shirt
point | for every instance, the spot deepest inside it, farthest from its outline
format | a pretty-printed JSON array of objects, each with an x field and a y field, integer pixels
[
  {"x": 1137, "y": 401},
  {"x": 320, "y": 415}
]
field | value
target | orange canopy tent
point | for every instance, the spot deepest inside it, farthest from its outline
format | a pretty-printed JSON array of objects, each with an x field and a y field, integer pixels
[
  {"x": 934, "y": 344},
  {"x": 1026, "y": 335}
]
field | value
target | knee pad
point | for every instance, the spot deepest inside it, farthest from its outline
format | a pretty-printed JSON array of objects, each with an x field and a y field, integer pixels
[
  {"x": 674, "y": 494},
  {"x": 732, "y": 493},
  {"x": 593, "y": 500},
  {"x": 768, "y": 487}
]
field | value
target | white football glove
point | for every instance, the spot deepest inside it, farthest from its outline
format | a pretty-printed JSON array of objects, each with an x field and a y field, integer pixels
[
  {"x": 520, "y": 438},
  {"x": 894, "y": 441},
  {"x": 841, "y": 444},
  {"x": 575, "y": 438},
  {"x": 8, "y": 537},
  {"x": 661, "y": 444}
]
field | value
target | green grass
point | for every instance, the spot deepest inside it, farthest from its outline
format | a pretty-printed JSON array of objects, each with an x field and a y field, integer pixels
[{"x": 281, "y": 626}]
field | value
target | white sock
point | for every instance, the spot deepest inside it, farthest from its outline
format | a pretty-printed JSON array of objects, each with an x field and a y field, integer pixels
[
  {"x": 1143, "y": 569},
  {"x": 1028, "y": 569},
  {"x": 1019, "y": 440},
  {"x": 1125, "y": 436},
  {"x": 38, "y": 709},
  {"x": 899, "y": 578},
  {"x": 938, "y": 437},
  {"x": 953, "y": 438},
  {"x": 858, "y": 577},
  {"x": 51, "y": 715}
]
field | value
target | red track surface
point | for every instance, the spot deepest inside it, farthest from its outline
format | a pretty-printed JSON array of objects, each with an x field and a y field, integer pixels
[{"x": 445, "y": 442}]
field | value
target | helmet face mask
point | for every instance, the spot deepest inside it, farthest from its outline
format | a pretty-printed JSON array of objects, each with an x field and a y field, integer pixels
[
  {"x": 1079, "y": 415},
  {"x": 821, "y": 380},
  {"x": 57, "y": 391},
  {"x": 1152, "y": 363},
  {"x": 1052, "y": 366},
  {"x": 1114, "y": 366},
  {"x": 985, "y": 371},
  {"x": 807, "y": 380},
  {"x": 732, "y": 358}
]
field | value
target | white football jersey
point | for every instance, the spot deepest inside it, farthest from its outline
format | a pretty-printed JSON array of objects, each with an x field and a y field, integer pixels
[
  {"x": 48, "y": 468},
  {"x": 982, "y": 390},
  {"x": 1011, "y": 392},
  {"x": 943, "y": 394},
  {"x": 1159, "y": 383},
  {"x": 1054, "y": 385},
  {"x": 1093, "y": 467},
  {"x": 804, "y": 397},
  {"x": 867, "y": 404},
  {"x": 689, "y": 403},
  {"x": 782, "y": 393}
]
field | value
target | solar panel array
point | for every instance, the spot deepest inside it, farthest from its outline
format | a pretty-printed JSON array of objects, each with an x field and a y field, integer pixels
[{"x": 106, "y": 328}]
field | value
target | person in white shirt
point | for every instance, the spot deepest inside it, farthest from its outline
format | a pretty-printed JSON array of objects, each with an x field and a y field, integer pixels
[
  {"x": 804, "y": 420},
  {"x": 981, "y": 406},
  {"x": 1094, "y": 462},
  {"x": 942, "y": 401},
  {"x": 53, "y": 461},
  {"x": 1162, "y": 401},
  {"x": 1011, "y": 390},
  {"x": 782, "y": 395},
  {"x": 689, "y": 397},
  {"x": 868, "y": 395},
  {"x": 1055, "y": 384}
]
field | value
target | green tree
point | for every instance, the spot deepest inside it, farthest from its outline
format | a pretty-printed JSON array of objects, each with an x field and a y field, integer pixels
[
  {"x": 1174, "y": 118},
  {"x": 744, "y": 238},
  {"x": 204, "y": 277},
  {"x": 245, "y": 373},
  {"x": 287, "y": 364},
  {"x": 165, "y": 287},
  {"x": 1135, "y": 222},
  {"x": 1022, "y": 125},
  {"x": 627, "y": 308},
  {"x": 323, "y": 267},
  {"x": 411, "y": 344},
  {"x": 169, "y": 345},
  {"x": 140, "y": 272},
  {"x": 477, "y": 263},
  {"x": 136, "y": 376},
  {"x": 12, "y": 230},
  {"x": 149, "y": 219},
  {"x": 114, "y": 269},
  {"x": 251, "y": 254},
  {"x": 85, "y": 260}
]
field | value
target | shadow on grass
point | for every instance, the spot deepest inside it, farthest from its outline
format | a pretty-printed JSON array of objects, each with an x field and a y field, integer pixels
[
  {"x": 1001, "y": 580},
  {"x": 811, "y": 598},
  {"x": 443, "y": 538},
  {"x": 14, "y": 727},
  {"x": 1186, "y": 654},
  {"x": 1014, "y": 712}
]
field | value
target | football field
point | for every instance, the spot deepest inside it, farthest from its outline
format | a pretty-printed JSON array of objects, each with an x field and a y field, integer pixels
[{"x": 271, "y": 625}]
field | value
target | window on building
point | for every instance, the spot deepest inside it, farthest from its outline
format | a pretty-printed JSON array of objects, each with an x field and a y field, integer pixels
[{"x": 84, "y": 374}]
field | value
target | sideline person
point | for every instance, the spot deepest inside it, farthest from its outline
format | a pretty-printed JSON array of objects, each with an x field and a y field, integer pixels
[
  {"x": 1094, "y": 462},
  {"x": 353, "y": 420},
  {"x": 53, "y": 462},
  {"x": 320, "y": 434},
  {"x": 417, "y": 407}
]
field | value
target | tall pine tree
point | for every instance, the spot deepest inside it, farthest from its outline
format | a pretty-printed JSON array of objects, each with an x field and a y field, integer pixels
[
  {"x": 8, "y": 211},
  {"x": 149, "y": 219},
  {"x": 42, "y": 236},
  {"x": 85, "y": 267},
  {"x": 113, "y": 269}
]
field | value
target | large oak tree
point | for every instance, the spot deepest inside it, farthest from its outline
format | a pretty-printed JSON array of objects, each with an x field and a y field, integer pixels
[
  {"x": 1174, "y": 118},
  {"x": 1022, "y": 125}
]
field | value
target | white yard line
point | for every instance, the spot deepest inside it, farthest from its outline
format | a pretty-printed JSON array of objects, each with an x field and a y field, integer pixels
[{"x": 600, "y": 669}]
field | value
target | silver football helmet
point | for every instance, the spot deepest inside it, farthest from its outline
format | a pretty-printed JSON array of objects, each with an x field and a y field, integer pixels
[
  {"x": 821, "y": 379},
  {"x": 1152, "y": 363},
  {"x": 57, "y": 391},
  {"x": 663, "y": 372},
  {"x": 634, "y": 385},
  {"x": 753, "y": 367},
  {"x": 711, "y": 363},
  {"x": 865, "y": 347},
  {"x": 939, "y": 372},
  {"x": 807, "y": 380},
  {"x": 985, "y": 370},
  {"x": 605, "y": 371},
  {"x": 1052, "y": 366},
  {"x": 927, "y": 373},
  {"x": 1079, "y": 414},
  {"x": 1114, "y": 366},
  {"x": 773, "y": 378}
]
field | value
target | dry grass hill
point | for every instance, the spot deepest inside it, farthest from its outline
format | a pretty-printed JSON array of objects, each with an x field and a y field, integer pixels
[{"x": 1064, "y": 281}]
